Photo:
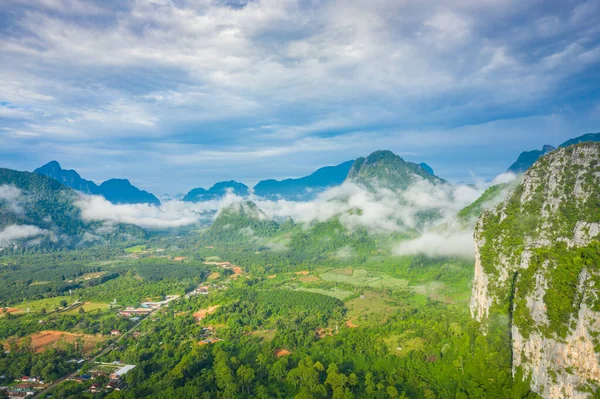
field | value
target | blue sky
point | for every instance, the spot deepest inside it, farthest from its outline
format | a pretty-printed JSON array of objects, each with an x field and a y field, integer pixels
[{"x": 180, "y": 94}]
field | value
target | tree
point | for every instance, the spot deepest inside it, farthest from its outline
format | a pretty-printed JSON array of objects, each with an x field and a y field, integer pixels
[
  {"x": 392, "y": 392},
  {"x": 246, "y": 375}
]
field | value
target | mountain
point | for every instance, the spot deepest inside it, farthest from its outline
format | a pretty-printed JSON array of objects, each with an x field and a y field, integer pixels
[
  {"x": 537, "y": 269},
  {"x": 427, "y": 168},
  {"x": 68, "y": 177},
  {"x": 589, "y": 137},
  {"x": 39, "y": 211},
  {"x": 386, "y": 169},
  {"x": 304, "y": 188},
  {"x": 121, "y": 191},
  {"x": 217, "y": 191},
  {"x": 241, "y": 222},
  {"x": 117, "y": 191},
  {"x": 528, "y": 158}
]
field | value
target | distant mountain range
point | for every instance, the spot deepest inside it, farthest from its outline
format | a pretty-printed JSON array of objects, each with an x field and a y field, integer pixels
[
  {"x": 528, "y": 158},
  {"x": 304, "y": 188},
  {"x": 117, "y": 191}
]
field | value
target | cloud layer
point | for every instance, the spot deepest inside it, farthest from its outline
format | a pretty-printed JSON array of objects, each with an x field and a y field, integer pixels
[{"x": 381, "y": 211}]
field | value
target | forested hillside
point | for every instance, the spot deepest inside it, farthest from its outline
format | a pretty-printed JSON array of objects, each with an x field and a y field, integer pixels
[{"x": 37, "y": 207}]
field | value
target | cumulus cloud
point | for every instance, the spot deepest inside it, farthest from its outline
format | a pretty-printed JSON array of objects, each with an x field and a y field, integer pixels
[{"x": 18, "y": 232}]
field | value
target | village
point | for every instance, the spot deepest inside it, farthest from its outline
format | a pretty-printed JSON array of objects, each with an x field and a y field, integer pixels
[{"x": 108, "y": 377}]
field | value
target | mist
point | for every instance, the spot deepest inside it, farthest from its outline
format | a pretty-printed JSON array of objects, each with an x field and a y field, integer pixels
[
  {"x": 17, "y": 232},
  {"x": 378, "y": 210}
]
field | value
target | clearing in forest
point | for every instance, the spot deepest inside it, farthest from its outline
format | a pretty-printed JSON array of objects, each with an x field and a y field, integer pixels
[
  {"x": 213, "y": 276},
  {"x": 402, "y": 345},
  {"x": 36, "y": 306},
  {"x": 136, "y": 249},
  {"x": 282, "y": 352},
  {"x": 208, "y": 341},
  {"x": 237, "y": 271},
  {"x": 202, "y": 313},
  {"x": 90, "y": 276},
  {"x": 364, "y": 278},
  {"x": 266, "y": 335},
  {"x": 371, "y": 308},
  {"x": 48, "y": 339},
  {"x": 89, "y": 307}
]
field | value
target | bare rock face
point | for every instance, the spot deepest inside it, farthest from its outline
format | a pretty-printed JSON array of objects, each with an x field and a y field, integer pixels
[{"x": 538, "y": 262}]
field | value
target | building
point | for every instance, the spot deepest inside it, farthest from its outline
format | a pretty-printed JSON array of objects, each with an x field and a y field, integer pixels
[
  {"x": 115, "y": 332},
  {"x": 95, "y": 387},
  {"x": 122, "y": 371}
]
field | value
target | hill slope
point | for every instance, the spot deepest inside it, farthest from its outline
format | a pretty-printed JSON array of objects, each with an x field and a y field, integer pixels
[
  {"x": 537, "y": 266},
  {"x": 240, "y": 222}
]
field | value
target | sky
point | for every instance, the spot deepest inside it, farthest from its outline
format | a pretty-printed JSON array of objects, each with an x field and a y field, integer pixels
[{"x": 181, "y": 94}]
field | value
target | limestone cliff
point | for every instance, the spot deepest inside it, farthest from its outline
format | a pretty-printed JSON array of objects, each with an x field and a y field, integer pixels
[{"x": 537, "y": 266}]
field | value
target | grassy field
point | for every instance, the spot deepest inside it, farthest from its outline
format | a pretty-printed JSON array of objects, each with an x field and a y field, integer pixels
[
  {"x": 136, "y": 249},
  {"x": 401, "y": 346},
  {"x": 89, "y": 307},
  {"x": 334, "y": 292},
  {"x": 373, "y": 308},
  {"x": 364, "y": 278},
  {"x": 36, "y": 306}
]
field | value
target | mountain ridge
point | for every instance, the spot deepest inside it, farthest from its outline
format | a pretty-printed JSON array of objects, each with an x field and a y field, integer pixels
[
  {"x": 305, "y": 187},
  {"x": 527, "y": 158},
  {"x": 117, "y": 191}
]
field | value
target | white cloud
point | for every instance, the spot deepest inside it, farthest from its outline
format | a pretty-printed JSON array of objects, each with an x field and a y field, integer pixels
[
  {"x": 169, "y": 214},
  {"x": 11, "y": 195},
  {"x": 507, "y": 177},
  {"x": 382, "y": 210},
  {"x": 18, "y": 232},
  {"x": 440, "y": 243}
]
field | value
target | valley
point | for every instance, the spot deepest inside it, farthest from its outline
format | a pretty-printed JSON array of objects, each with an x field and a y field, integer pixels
[{"x": 259, "y": 305}]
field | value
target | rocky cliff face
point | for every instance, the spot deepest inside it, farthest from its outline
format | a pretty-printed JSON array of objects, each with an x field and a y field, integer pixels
[{"x": 538, "y": 266}]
